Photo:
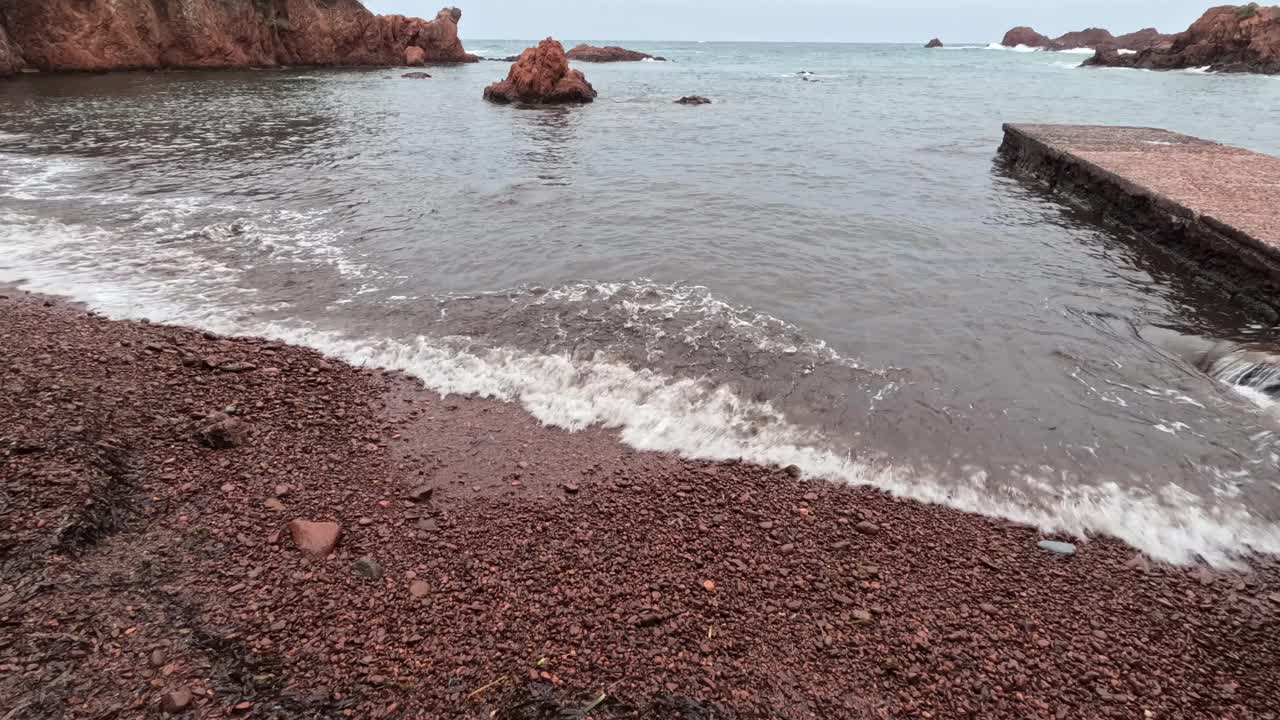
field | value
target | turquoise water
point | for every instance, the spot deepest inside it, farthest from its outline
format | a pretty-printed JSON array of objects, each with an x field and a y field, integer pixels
[{"x": 825, "y": 267}]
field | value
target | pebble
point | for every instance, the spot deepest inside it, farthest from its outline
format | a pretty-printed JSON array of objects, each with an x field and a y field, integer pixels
[
  {"x": 316, "y": 539},
  {"x": 367, "y": 567},
  {"x": 709, "y": 585},
  {"x": 273, "y": 505},
  {"x": 866, "y": 527},
  {"x": 421, "y": 493},
  {"x": 176, "y": 701},
  {"x": 419, "y": 589},
  {"x": 282, "y": 490},
  {"x": 1060, "y": 548}
]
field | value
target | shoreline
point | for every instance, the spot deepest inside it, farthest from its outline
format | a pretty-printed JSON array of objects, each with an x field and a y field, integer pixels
[{"x": 489, "y": 566}]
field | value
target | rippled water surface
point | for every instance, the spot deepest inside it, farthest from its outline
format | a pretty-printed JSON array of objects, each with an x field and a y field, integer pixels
[{"x": 825, "y": 269}]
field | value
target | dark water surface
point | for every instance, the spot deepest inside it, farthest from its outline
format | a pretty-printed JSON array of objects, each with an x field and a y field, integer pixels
[{"x": 830, "y": 272}]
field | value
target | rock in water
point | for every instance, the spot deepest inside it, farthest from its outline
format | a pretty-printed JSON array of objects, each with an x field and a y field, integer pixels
[
  {"x": 1023, "y": 35},
  {"x": 415, "y": 56},
  {"x": 934, "y": 43},
  {"x": 693, "y": 100},
  {"x": 1061, "y": 548},
  {"x": 10, "y": 61},
  {"x": 316, "y": 539},
  {"x": 611, "y": 53},
  {"x": 416, "y": 76},
  {"x": 542, "y": 75},
  {"x": 95, "y": 35}
]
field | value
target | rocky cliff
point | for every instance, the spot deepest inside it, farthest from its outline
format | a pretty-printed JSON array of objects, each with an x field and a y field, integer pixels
[
  {"x": 1244, "y": 38},
  {"x": 10, "y": 61},
  {"x": 96, "y": 35}
]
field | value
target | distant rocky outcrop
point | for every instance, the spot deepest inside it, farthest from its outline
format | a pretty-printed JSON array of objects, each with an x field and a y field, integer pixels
[
  {"x": 934, "y": 43},
  {"x": 1087, "y": 38},
  {"x": 1243, "y": 38},
  {"x": 610, "y": 53},
  {"x": 542, "y": 75},
  {"x": 99, "y": 35},
  {"x": 693, "y": 100},
  {"x": 1026, "y": 36},
  {"x": 1091, "y": 38}
]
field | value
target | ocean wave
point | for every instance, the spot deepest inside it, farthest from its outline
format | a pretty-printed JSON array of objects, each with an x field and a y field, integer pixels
[
  {"x": 651, "y": 410},
  {"x": 1012, "y": 48},
  {"x": 1076, "y": 51}
]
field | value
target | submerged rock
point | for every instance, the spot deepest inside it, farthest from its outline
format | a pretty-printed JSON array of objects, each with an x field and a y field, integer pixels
[
  {"x": 542, "y": 75},
  {"x": 693, "y": 100},
  {"x": 1026, "y": 36},
  {"x": 416, "y": 76},
  {"x": 611, "y": 53}
]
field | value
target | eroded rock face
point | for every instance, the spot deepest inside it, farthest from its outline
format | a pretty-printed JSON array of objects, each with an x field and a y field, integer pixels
[
  {"x": 1025, "y": 36},
  {"x": 10, "y": 60},
  {"x": 95, "y": 35},
  {"x": 542, "y": 75},
  {"x": 1225, "y": 39},
  {"x": 611, "y": 53}
]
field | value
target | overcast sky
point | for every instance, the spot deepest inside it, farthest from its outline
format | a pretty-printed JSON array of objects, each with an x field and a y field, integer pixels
[{"x": 958, "y": 21}]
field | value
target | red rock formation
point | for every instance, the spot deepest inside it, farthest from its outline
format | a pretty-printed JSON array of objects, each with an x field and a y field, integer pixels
[
  {"x": 542, "y": 75},
  {"x": 415, "y": 56},
  {"x": 10, "y": 60},
  {"x": 934, "y": 43},
  {"x": 1025, "y": 36},
  {"x": 1142, "y": 39},
  {"x": 1225, "y": 39},
  {"x": 144, "y": 34},
  {"x": 1087, "y": 38},
  {"x": 612, "y": 53}
]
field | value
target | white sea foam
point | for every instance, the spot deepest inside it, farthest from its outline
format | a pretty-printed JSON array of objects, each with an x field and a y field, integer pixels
[
  {"x": 1076, "y": 51},
  {"x": 650, "y": 410},
  {"x": 1012, "y": 48},
  {"x": 1198, "y": 70},
  {"x": 1124, "y": 51}
]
